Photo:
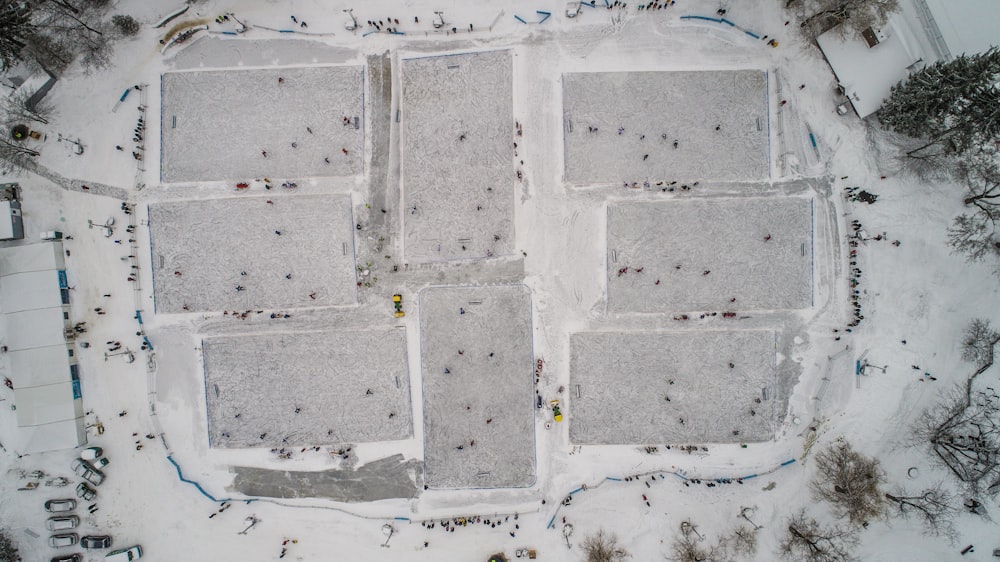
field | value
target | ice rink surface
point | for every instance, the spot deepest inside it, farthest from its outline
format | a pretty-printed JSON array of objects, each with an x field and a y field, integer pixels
[
  {"x": 710, "y": 254},
  {"x": 216, "y": 124},
  {"x": 203, "y": 250},
  {"x": 476, "y": 365},
  {"x": 457, "y": 153},
  {"x": 348, "y": 387},
  {"x": 672, "y": 387},
  {"x": 718, "y": 119}
]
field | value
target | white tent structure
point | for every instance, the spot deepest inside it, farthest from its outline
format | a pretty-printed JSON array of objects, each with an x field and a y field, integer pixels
[
  {"x": 921, "y": 33},
  {"x": 34, "y": 299}
]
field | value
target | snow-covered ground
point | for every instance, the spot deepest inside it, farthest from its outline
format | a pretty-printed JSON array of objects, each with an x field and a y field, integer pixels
[
  {"x": 243, "y": 253},
  {"x": 476, "y": 362},
  {"x": 665, "y": 126},
  {"x": 280, "y": 123},
  {"x": 456, "y": 137},
  {"x": 712, "y": 254},
  {"x": 297, "y": 389},
  {"x": 673, "y": 387},
  {"x": 557, "y": 244}
]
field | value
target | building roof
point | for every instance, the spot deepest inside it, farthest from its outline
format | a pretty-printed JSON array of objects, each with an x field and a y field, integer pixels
[
  {"x": 967, "y": 26},
  {"x": 49, "y": 418},
  {"x": 921, "y": 33},
  {"x": 42, "y": 327},
  {"x": 40, "y": 366},
  {"x": 6, "y": 226},
  {"x": 867, "y": 74},
  {"x": 46, "y": 392}
]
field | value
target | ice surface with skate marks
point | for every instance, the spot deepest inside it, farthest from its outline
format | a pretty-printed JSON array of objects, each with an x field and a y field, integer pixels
[
  {"x": 307, "y": 388},
  {"x": 476, "y": 365},
  {"x": 227, "y": 254},
  {"x": 457, "y": 145},
  {"x": 713, "y": 254},
  {"x": 217, "y": 124},
  {"x": 665, "y": 126},
  {"x": 672, "y": 387}
]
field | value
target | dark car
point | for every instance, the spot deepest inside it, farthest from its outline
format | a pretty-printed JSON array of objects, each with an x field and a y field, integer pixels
[
  {"x": 68, "y": 558},
  {"x": 96, "y": 541}
]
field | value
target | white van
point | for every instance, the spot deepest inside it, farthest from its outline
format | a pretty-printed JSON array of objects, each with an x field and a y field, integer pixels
[{"x": 125, "y": 554}]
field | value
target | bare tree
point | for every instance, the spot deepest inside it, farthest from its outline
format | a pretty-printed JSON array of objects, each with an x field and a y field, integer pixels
[
  {"x": 807, "y": 541},
  {"x": 963, "y": 432},
  {"x": 743, "y": 541},
  {"x": 851, "y": 482},
  {"x": 855, "y": 15},
  {"x": 935, "y": 507},
  {"x": 975, "y": 236},
  {"x": 687, "y": 548},
  {"x": 15, "y": 155},
  {"x": 978, "y": 342},
  {"x": 16, "y": 109},
  {"x": 603, "y": 546}
]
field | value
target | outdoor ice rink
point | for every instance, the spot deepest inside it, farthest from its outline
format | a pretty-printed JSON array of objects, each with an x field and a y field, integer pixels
[
  {"x": 655, "y": 109},
  {"x": 201, "y": 250},
  {"x": 348, "y": 387},
  {"x": 215, "y": 124},
  {"x": 458, "y": 175},
  {"x": 707, "y": 252},
  {"x": 620, "y": 383},
  {"x": 484, "y": 402}
]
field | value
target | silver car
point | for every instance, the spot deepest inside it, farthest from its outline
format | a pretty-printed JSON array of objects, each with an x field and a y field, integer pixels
[
  {"x": 84, "y": 470},
  {"x": 62, "y": 523},
  {"x": 59, "y": 506},
  {"x": 63, "y": 540}
]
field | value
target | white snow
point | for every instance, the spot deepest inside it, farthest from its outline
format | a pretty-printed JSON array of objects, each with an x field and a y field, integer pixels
[
  {"x": 476, "y": 362},
  {"x": 673, "y": 387},
  {"x": 622, "y": 126},
  {"x": 557, "y": 244},
  {"x": 217, "y": 125},
  {"x": 715, "y": 254}
]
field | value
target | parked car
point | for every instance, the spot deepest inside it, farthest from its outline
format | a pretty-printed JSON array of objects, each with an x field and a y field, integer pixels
[
  {"x": 125, "y": 554},
  {"x": 62, "y": 523},
  {"x": 96, "y": 541},
  {"x": 67, "y": 558},
  {"x": 85, "y": 470},
  {"x": 91, "y": 453},
  {"x": 101, "y": 463},
  {"x": 63, "y": 540},
  {"x": 85, "y": 492},
  {"x": 59, "y": 506}
]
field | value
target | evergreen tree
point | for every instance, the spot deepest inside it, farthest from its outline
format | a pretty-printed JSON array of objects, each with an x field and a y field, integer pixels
[{"x": 955, "y": 104}]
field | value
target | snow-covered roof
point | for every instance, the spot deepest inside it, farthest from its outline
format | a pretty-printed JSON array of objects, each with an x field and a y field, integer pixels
[
  {"x": 923, "y": 31},
  {"x": 868, "y": 73},
  {"x": 31, "y": 257},
  {"x": 967, "y": 26},
  {"x": 39, "y": 366},
  {"x": 6, "y": 226},
  {"x": 47, "y": 395},
  {"x": 49, "y": 417},
  {"x": 29, "y": 277}
]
